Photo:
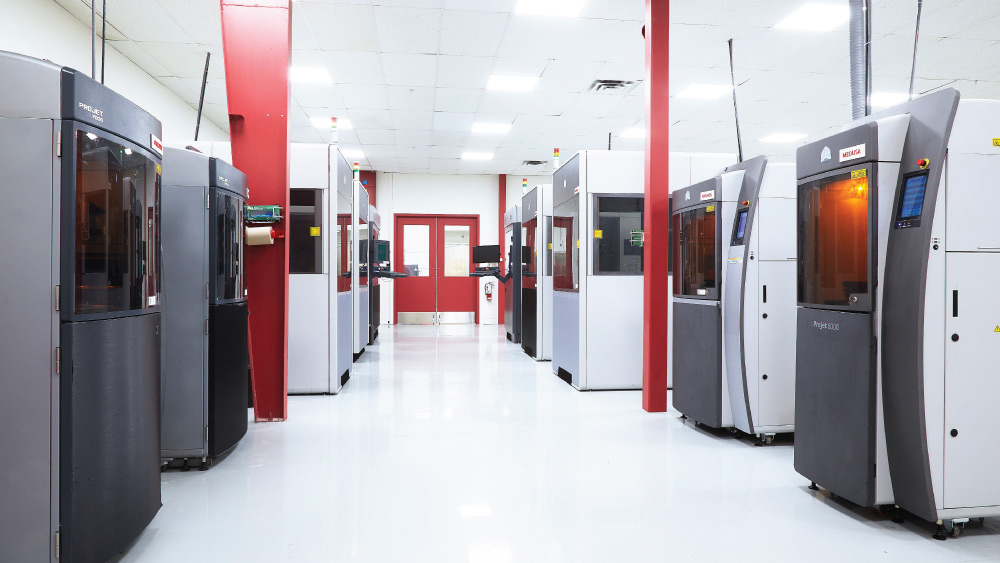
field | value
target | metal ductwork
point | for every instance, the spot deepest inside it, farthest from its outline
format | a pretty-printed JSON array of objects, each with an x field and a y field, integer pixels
[{"x": 860, "y": 58}]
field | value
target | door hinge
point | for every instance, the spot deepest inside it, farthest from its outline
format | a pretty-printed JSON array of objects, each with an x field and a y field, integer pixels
[
  {"x": 206, "y": 326},
  {"x": 57, "y": 298},
  {"x": 59, "y": 143},
  {"x": 208, "y": 199},
  {"x": 206, "y": 291},
  {"x": 58, "y": 545},
  {"x": 58, "y": 360},
  {"x": 206, "y": 434}
]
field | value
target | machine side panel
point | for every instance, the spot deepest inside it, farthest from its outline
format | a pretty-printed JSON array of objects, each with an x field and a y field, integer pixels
[
  {"x": 529, "y": 321},
  {"x": 904, "y": 288},
  {"x": 835, "y": 402},
  {"x": 110, "y": 484},
  {"x": 614, "y": 332},
  {"x": 345, "y": 340},
  {"x": 776, "y": 345},
  {"x": 27, "y": 300},
  {"x": 566, "y": 334},
  {"x": 33, "y": 87},
  {"x": 184, "y": 228},
  {"x": 970, "y": 204},
  {"x": 309, "y": 166},
  {"x": 971, "y": 385},
  {"x": 698, "y": 361},
  {"x": 309, "y": 354},
  {"x": 364, "y": 317},
  {"x": 185, "y": 168},
  {"x": 736, "y": 323},
  {"x": 229, "y": 370},
  {"x": 546, "y": 319}
]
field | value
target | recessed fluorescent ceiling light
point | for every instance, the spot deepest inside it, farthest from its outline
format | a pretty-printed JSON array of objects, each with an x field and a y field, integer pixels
[
  {"x": 305, "y": 75},
  {"x": 324, "y": 123},
  {"x": 512, "y": 83},
  {"x": 566, "y": 8},
  {"x": 888, "y": 99},
  {"x": 705, "y": 91},
  {"x": 816, "y": 17},
  {"x": 477, "y": 155},
  {"x": 783, "y": 137},
  {"x": 352, "y": 153},
  {"x": 498, "y": 128},
  {"x": 634, "y": 133}
]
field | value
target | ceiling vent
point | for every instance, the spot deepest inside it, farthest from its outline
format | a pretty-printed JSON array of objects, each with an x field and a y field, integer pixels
[
  {"x": 612, "y": 86},
  {"x": 533, "y": 162}
]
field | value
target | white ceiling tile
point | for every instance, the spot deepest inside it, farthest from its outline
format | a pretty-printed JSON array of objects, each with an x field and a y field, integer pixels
[
  {"x": 363, "y": 97},
  {"x": 316, "y": 95},
  {"x": 570, "y": 76},
  {"x": 141, "y": 58},
  {"x": 450, "y": 138},
  {"x": 405, "y": 69},
  {"x": 355, "y": 67},
  {"x": 202, "y": 20},
  {"x": 413, "y": 120},
  {"x": 457, "y": 99},
  {"x": 408, "y": 30},
  {"x": 341, "y": 27},
  {"x": 450, "y": 121},
  {"x": 302, "y": 34},
  {"x": 145, "y": 20},
  {"x": 507, "y": 66},
  {"x": 463, "y": 72},
  {"x": 412, "y": 99},
  {"x": 370, "y": 118},
  {"x": 409, "y": 137},
  {"x": 471, "y": 33},
  {"x": 182, "y": 59}
]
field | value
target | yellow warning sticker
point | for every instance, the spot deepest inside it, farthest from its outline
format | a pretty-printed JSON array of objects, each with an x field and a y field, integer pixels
[
  {"x": 710, "y": 209},
  {"x": 598, "y": 233},
  {"x": 578, "y": 244},
  {"x": 550, "y": 246},
  {"x": 997, "y": 329},
  {"x": 863, "y": 173},
  {"x": 996, "y": 142},
  {"x": 158, "y": 169},
  {"x": 314, "y": 231}
]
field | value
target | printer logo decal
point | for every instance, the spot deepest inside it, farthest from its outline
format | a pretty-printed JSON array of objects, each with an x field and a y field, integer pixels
[
  {"x": 687, "y": 196},
  {"x": 97, "y": 114},
  {"x": 852, "y": 153},
  {"x": 826, "y": 326},
  {"x": 710, "y": 194},
  {"x": 826, "y": 155}
]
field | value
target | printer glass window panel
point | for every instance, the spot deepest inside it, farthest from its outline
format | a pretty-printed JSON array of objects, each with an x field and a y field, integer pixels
[
  {"x": 117, "y": 227},
  {"x": 305, "y": 220},
  {"x": 695, "y": 271},
  {"x": 528, "y": 261},
  {"x": 616, "y": 219},
  {"x": 566, "y": 246},
  {"x": 229, "y": 246},
  {"x": 834, "y": 252}
]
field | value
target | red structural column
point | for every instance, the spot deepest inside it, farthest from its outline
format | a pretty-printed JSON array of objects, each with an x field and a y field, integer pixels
[
  {"x": 257, "y": 43},
  {"x": 503, "y": 209},
  {"x": 655, "y": 292}
]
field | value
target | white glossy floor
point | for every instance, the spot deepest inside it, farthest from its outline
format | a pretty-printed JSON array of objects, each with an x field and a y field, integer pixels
[{"x": 450, "y": 445}]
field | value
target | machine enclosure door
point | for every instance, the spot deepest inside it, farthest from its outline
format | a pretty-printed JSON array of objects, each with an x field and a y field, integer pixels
[
  {"x": 835, "y": 394},
  {"x": 697, "y": 364}
]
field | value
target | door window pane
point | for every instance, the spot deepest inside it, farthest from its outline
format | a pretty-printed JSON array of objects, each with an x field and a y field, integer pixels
[
  {"x": 305, "y": 238},
  {"x": 117, "y": 227},
  {"x": 833, "y": 241},
  {"x": 566, "y": 246},
  {"x": 617, "y": 219},
  {"x": 228, "y": 246},
  {"x": 417, "y": 250},
  {"x": 529, "y": 269},
  {"x": 695, "y": 272},
  {"x": 345, "y": 234},
  {"x": 362, "y": 252},
  {"x": 548, "y": 250},
  {"x": 456, "y": 250}
]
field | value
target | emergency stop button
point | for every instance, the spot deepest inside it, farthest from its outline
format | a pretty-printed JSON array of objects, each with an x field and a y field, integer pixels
[{"x": 923, "y": 163}]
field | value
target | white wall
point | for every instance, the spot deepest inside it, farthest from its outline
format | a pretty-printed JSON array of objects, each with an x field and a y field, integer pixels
[
  {"x": 514, "y": 187},
  {"x": 444, "y": 195},
  {"x": 43, "y": 29}
]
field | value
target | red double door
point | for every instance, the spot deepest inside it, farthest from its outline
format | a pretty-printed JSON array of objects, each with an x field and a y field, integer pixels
[{"x": 436, "y": 252}]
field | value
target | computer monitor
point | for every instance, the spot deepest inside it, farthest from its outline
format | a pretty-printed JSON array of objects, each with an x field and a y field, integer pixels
[{"x": 486, "y": 254}]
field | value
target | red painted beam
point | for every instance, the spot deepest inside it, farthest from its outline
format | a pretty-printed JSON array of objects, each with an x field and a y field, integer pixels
[
  {"x": 257, "y": 44},
  {"x": 503, "y": 210},
  {"x": 656, "y": 295}
]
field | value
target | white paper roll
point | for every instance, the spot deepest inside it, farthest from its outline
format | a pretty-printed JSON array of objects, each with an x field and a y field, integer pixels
[{"x": 259, "y": 235}]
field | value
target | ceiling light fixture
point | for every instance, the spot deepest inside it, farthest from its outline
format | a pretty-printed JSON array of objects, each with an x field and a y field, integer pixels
[
  {"x": 705, "y": 91},
  {"x": 477, "y": 155},
  {"x": 324, "y": 123},
  {"x": 888, "y": 99},
  {"x": 308, "y": 75},
  {"x": 491, "y": 128},
  {"x": 564, "y": 8},
  {"x": 634, "y": 133},
  {"x": 512, "y": 83},
  {"x": 816, "y": 17},
  {"x": 779, "y": 138}
]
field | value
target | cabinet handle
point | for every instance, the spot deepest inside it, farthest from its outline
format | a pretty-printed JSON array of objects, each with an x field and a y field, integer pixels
[
  {"x": 954, "y": 303},
  {"x": 765, "y": 294}
]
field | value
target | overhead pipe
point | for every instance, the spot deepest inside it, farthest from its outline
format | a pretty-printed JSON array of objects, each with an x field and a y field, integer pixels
[
  {"x": 916, "y": 40},
  {"x": 861, "y": 78},
  {"x": 93, "y": 39},
  {"x": 201, "y": 97},
  {"x": 104, "y": 34}
]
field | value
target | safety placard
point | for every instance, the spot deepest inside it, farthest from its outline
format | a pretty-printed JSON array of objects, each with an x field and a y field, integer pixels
[
  {"x": 598, "y": 233},
  {"x": 710, "y": 209},
  {"x": 997, "y": 329},
  {"x": 996, "y": 142},
  {"x": 314, "y": 231},
  {"x": 859, "y": 174}
]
